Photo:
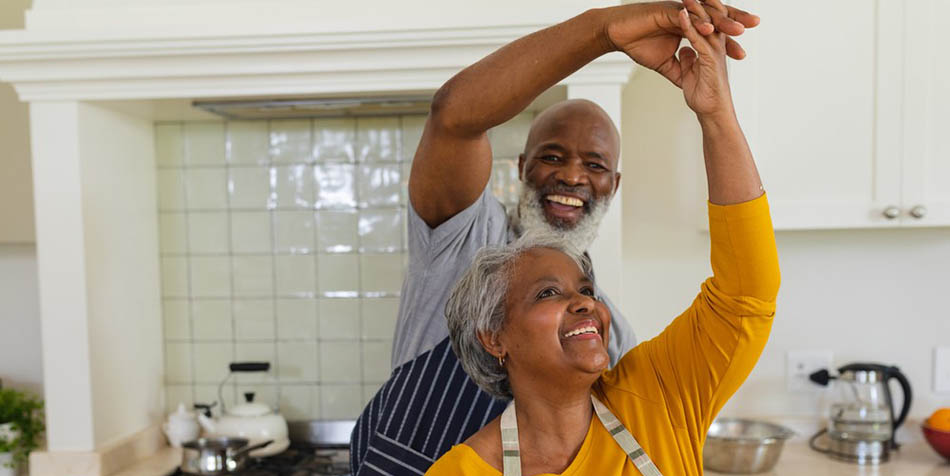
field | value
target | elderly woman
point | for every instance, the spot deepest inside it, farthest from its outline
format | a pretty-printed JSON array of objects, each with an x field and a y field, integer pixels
[{"x": 526, "y": 325}]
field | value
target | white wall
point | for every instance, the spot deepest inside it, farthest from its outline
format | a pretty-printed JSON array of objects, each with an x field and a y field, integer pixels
[
  {"x": 20, "y": 351},
  {"x": 97, "y": 230},
  {"x": 16, "y": 185},
  {"x": 122, "y": 275},
  {"x": 866, "y": 295}
]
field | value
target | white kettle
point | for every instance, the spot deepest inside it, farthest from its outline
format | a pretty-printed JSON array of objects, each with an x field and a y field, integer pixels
[
  {"x": 181, "y": 427},
  {"x": 255, "y": 421}
]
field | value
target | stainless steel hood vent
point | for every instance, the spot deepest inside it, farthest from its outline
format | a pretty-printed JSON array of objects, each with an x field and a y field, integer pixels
[{"x": 325, "y": 107}]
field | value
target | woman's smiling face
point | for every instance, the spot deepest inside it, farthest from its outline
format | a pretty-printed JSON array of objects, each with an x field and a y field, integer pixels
[{"x": 554, "y": 328}]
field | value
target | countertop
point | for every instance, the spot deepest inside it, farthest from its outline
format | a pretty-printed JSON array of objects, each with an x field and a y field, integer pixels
[
  {"x": 913, "y": 459},
  {"x": 163, "y": 463}
]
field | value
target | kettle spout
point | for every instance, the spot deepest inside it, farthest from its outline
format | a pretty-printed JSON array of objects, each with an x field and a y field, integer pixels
[{"x": 207, "y": 424}]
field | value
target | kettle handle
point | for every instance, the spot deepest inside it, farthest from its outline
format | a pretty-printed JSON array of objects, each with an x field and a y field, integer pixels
[{"x": 895, "y": 373}]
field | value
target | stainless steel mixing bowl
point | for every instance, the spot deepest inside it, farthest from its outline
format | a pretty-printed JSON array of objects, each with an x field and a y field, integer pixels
[{"x": 735, "y": 445}]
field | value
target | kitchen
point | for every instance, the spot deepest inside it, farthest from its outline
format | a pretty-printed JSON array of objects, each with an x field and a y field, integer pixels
[{"x": 117, "y": 92}]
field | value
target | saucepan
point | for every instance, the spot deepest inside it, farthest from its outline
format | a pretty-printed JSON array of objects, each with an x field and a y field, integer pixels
[{"x": 214, "y": 456}]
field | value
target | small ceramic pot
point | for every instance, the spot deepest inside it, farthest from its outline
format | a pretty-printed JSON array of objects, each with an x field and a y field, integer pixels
[
  {"x": 7, "y": 433},
  {"x": 5, "y": 465}
]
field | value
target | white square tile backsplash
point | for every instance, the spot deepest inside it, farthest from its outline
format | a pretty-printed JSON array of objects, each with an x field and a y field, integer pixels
[
  {"x": 254, "y": 320},
  {"x": 173, "y": 236},
  {"x": 339, "y": 319},
  {"x": 251, "y": 232},
  {"x": 176, "y": 319},
  {"x": 342, "y": 399},
  {"x": 252, "y": 276},
  {"x": 296, "y": 402},
  {"x": 211, "y": 320},
  {"x": 208, "y": 233},
  {"x": 204, "y": 143},
  {"x": 249, "y": 142},
  {"x": 206, "y": 188},
  {"x": 249, "y": 188},
  {"x": 285, "y": 241},
  {"x": 294, "y": 231},
  {"x": 294, "y": 187},
  {"x": 171, "y": 187},
  {"x": 174, "y": 276},
  {"x": 290, "y": 141}
]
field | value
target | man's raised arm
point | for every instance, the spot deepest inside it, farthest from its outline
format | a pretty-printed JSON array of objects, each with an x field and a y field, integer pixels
[{"x": 453, "y": 161}]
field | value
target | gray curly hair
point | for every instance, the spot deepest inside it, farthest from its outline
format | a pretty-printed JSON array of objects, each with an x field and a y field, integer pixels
[{"x": 477, "y": 304}]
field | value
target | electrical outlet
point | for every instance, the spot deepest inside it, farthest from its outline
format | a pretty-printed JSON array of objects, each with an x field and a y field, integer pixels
[
  {"x": 800, "y": 364},
  {"x": 942, "y": 370}
]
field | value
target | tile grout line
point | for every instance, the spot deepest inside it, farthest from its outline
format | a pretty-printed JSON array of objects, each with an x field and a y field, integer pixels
[
  {"x": 315, "y": 389},
  {"x": 360, "y": 251},
  {"x": 191, "y": 314},
  {"x": 272, "y": 215},
  {"x": 230, "y": 255}
]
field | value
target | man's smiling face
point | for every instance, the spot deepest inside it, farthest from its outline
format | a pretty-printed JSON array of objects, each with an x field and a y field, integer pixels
[{"x": 570, "y": 160}]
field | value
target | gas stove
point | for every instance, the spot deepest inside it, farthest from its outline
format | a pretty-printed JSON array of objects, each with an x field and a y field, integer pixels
[
  {"x": 298, "y": 462},
  {"x": 318, "y": 448}
]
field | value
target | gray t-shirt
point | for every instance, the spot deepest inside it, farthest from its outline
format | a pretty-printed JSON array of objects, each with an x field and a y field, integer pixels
[{"x": 437, "y": 259}]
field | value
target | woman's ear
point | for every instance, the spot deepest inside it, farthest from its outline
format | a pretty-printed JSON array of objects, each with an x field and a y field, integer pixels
[{"x": 491, "y": 342}]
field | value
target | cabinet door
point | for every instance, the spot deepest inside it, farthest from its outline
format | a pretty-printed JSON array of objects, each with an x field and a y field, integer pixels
[
  {"x": 926, "y": 114},
  {"x": 807, "y": 97}
]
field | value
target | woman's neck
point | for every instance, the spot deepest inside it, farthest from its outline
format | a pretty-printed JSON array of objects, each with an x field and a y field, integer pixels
[{"x": 552, "y": 426}]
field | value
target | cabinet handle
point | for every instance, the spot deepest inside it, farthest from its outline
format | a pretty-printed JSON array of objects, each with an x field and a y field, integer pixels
[
  {"x": 892, "y": 212},
  {"x": 919, "y": 211}
]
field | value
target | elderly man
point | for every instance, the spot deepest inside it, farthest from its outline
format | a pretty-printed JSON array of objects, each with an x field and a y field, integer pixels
[{"x": 569, "y": 175}]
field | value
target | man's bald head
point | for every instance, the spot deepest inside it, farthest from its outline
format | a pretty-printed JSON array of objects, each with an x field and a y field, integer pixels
[
  {"x": 572, "y": 117},
  {"x": 569, "y": 167}
]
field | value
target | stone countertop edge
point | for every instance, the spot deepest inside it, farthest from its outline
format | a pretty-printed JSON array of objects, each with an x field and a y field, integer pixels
[
  {"x": 162, "y": 463},
  {"x": 913, "y": 459}
]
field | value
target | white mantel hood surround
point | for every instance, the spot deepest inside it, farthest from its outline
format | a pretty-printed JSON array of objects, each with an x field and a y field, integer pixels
[
  {"x": 155, "y": 49},
  {"x": 93, "y": 162}
]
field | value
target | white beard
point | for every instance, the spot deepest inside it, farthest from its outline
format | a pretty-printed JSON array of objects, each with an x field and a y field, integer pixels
[{"x": 530, "y": 219}]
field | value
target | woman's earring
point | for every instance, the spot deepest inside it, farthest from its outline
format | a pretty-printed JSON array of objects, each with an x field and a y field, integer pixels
[{"x": 501, "y": 360}]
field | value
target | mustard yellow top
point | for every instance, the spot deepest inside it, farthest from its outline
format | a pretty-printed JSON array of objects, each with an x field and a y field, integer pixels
[{"x": 668, "y": 390}]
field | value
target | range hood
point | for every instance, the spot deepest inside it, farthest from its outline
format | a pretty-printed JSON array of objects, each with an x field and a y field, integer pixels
[{"x": 317, "y": 107}]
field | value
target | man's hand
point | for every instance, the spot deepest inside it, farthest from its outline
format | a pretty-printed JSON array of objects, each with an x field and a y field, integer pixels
[{"x": 650, "y": 34}]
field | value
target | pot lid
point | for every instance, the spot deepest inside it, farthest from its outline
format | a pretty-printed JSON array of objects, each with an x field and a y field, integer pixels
[{"x": 250, "y": 410}]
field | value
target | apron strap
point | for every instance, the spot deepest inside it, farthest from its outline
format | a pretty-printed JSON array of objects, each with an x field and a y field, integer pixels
[
  {"x": 510, "y": 448},
  {"x": 626, "y": 440},
  {"x": 511, "y": 453}
]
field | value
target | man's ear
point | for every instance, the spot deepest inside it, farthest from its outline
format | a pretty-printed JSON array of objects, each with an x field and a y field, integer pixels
[
  {"x": 616, "y": 184},
  {"x": 521, "y": 167},
  {"x": 491, "y": 343}
]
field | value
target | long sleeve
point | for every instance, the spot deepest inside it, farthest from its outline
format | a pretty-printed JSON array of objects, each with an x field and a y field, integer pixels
[{"x": 704, "y": 355}]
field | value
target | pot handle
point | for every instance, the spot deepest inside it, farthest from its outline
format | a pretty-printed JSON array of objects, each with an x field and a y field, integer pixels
[
  {"x": 246, "y": 367},
  {"x": 249, "y": 366},
  {"x": 248, "y": 449}
]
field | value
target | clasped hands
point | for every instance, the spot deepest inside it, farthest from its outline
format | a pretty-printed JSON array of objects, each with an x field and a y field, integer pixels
[{"x": 650, "y": 34}]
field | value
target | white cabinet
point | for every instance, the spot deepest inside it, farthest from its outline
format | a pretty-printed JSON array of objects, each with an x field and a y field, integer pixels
[
  {"x": 841, "y": 102},
  {"x": 926, "y": 141}
]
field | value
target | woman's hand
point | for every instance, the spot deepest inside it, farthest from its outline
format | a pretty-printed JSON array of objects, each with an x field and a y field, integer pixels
[
  {"x": 702, "y": 71},
  {"x": 651, "y": 33}
]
